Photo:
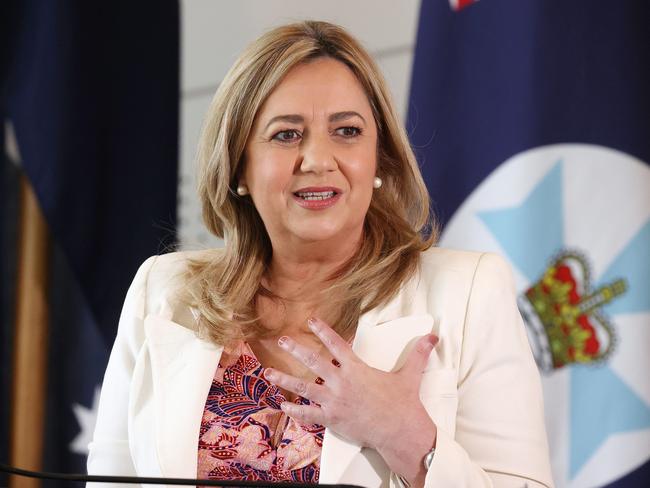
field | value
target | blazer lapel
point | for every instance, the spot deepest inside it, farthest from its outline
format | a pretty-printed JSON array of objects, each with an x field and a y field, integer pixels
[
  {"x": 182, "y": 370},
  {"x": 383, "y": 346}
]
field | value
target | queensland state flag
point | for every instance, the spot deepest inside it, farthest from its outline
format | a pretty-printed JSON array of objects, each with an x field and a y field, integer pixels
[{"x": 531, "y": 121}]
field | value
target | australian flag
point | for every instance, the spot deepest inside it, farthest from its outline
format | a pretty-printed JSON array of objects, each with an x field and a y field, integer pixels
[
  {"x": 91, "y": 90},
  {"x": 531, "y": 120}
]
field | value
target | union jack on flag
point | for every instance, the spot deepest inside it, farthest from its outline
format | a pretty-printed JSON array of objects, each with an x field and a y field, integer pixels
[{"x": 460, "y": 4}]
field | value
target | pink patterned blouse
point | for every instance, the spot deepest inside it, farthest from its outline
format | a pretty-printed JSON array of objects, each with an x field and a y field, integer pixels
[{"x": 244, "y": 434}]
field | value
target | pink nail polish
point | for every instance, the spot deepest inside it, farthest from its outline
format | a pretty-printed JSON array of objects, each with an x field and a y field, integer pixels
[
  {"x": 282, "y": 341},
  {"x": 311, "y": 322}
]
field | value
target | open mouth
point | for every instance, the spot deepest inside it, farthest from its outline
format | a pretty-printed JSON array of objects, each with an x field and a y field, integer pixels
[{"x": 315, "y": 195}]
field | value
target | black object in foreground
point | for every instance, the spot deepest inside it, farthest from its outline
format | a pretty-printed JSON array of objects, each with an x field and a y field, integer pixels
[{"x": 157, "y": 481}]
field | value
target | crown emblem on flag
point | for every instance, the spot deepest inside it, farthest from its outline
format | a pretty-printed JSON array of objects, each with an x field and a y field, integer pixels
[{"x": 563, "y": 314}]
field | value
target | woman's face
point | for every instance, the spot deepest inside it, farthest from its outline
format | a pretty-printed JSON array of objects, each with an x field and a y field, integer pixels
[{"x": 312, "y": 155}]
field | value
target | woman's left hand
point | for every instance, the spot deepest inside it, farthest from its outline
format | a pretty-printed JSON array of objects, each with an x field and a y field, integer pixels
[{"x": 367, "y": 406}]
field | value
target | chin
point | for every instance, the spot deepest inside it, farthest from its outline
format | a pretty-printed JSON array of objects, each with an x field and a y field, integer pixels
[
  {"x": 319, "y": 232},
  {"x": 317, "y": 235}
]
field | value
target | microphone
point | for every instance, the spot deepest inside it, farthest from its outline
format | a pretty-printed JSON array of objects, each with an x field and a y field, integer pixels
[{"x": 91, "y": 478}]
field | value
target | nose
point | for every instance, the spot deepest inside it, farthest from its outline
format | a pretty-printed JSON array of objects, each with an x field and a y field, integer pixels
[{"x": 317, "y": 156}]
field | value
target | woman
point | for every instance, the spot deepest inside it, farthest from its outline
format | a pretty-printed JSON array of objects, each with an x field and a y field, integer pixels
[{"x": 328, "y": 341}]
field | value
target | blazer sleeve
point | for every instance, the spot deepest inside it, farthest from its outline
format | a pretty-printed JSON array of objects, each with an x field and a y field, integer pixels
[
  {"x": 500, "y": 438},
  {"x": 109, "y": 452}
]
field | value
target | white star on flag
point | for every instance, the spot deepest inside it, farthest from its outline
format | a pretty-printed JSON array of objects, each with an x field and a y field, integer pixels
[{"x": 87, "y": 418}]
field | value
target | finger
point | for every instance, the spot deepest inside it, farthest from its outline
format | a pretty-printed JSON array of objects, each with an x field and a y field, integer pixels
[
  {"x": 307, "y": 356},
  {"x": 304, "y": 414},
  {"x": 306, "y": 389},
  {"x": 335, "y": 344},
  {"x": 416, "y": 362}
]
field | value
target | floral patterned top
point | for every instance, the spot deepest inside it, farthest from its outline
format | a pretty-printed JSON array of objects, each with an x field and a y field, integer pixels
[{"x": 246, "y": 436}]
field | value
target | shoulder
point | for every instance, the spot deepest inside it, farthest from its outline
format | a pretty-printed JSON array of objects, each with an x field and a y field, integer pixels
[
  {"x": 438, "y": 260},
  {"x": 166, "y": 266},
  {"x": 163, "y": 278},
  {"x": 444, "y": 283},
  {"x": 462, "y": 274}
]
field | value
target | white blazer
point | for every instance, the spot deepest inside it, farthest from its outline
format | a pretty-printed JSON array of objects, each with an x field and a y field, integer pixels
[{"x": 481, "y": 387}]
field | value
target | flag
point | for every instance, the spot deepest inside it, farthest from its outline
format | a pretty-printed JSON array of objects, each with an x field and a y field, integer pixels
[
  {"x": 530, "y": 120},
  {"x": 8, "y": 220},
  {"x": 92, "y": 93}
]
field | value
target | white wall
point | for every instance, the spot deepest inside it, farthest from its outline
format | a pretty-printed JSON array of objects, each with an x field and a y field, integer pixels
[{"x": 213, "y": 32}]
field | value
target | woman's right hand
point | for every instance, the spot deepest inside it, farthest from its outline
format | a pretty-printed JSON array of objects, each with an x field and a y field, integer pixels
[{"x": 367, "y": 406}]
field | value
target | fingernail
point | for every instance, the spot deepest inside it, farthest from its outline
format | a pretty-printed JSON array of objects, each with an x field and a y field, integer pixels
[
  {"x": 312, "y": 322},
  {"x": 269, "y": 374},
  {"x": 428, "y": 344},
  {"x": 433, "y": 339},
  {"x": 336, "y": 363},
  {"x": 282, "y": 341}
]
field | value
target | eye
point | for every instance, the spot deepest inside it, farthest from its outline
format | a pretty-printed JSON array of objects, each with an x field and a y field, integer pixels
[
  {"x": 348, "y": 132},
  {"x": 290, "y": 135}
]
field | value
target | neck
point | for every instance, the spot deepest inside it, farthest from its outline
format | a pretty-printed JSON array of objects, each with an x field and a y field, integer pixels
[{"x": 299, "y": 271}]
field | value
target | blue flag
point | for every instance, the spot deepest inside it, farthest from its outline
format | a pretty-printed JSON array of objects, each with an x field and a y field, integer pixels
[
  {"x": 531, "y": 120},
  {"x": 92, "y": 93}
]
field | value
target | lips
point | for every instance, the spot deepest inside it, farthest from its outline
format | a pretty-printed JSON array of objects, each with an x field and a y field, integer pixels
[
  {"x": 315, "y": 195},
  {"x": 317, "y": 198}
]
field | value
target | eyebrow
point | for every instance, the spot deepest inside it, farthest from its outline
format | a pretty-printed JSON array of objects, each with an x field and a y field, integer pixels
[{"x": 298, "y": 119}]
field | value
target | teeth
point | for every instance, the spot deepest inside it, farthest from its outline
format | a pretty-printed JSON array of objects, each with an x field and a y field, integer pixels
[{"x": 315, "y": 195}]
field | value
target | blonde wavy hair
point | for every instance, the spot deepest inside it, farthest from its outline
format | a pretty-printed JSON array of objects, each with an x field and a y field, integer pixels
[{"x": 224, "y": 284}]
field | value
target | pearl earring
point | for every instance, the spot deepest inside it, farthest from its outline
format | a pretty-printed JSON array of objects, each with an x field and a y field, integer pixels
[
  {"x": 376, "y": 183},
  {"x": 242, "y": 190}
]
